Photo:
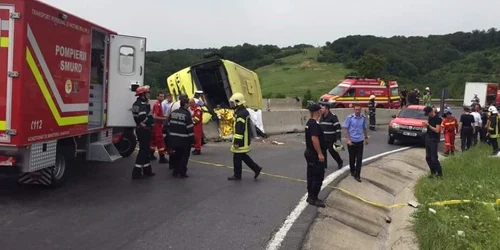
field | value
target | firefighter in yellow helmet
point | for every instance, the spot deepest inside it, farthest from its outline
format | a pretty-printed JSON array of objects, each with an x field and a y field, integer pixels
[{"x": 241, "y": 138}]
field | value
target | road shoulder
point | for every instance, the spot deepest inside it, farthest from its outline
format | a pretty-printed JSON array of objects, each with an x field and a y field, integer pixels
[{"x": 349, "y": 223}]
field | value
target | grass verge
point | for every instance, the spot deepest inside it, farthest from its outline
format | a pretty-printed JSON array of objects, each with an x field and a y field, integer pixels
[
  {"x": 468, "y": 176},
  {"x": 294, "y": 75}
]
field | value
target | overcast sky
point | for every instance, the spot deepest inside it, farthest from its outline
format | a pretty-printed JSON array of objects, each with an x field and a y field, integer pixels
[{"x": 169, "y": 24}]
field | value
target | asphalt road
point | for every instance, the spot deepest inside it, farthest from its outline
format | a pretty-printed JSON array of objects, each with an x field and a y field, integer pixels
[{"x": 101, "y": 208}]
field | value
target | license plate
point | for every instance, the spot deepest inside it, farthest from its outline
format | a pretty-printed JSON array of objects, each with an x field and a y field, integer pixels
[{"x": 409, "y": 134}]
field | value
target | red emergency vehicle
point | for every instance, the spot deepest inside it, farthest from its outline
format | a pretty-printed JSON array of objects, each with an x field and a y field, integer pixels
[
  {"x": 497, "y": 102},
  {"x": 355, "y": 90},
  {"x": 66, "y": 83}
]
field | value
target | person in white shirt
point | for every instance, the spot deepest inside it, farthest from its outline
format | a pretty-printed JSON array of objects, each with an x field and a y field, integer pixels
[
  {"x": 176, "y": 105},
  {"x": 478, "y": 123},
  {"x": 166, "y": 104}
]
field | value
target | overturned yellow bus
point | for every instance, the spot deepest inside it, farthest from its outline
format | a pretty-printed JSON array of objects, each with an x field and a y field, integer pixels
[{"x": 218, "y": 79}]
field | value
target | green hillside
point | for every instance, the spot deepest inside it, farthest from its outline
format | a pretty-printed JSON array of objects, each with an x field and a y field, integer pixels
[
  {"x": 481, "y": 66},
  {"x": 294, "y": 75},
  {"x": 436, "y": 61}
]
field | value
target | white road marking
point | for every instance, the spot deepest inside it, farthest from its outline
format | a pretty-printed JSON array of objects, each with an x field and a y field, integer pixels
[{"x": 277, "y": 240}]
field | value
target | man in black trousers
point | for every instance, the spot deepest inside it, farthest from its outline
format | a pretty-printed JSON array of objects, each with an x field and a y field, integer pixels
[
  {"x": 315, "y": 156},
  {"x": 330, "y": 125},
  {"x": 180, "y": 138},
  {"x": 433, "y": 125},
  {"x": 357, "y": 136}
]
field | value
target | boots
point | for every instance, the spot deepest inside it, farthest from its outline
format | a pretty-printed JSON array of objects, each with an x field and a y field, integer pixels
[
  {"x": 148, "y": 171},
  {"x": 341, "y": 164},
  {"x": 137, "y": 173},
  {"x": 163, "y": 159},
  {"x": 233, "y": 178},
  {"x": 196, "y": 152},
  {"x": 257, "y": 173},
  {"x": 315, "y": 202},
  {"x": 446, "y": 153}
]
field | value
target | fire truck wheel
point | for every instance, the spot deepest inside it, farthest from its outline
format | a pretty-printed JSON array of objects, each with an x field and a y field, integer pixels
[
  {"x": 339, "y": 106},
  {"x": 59, "y": 171},
  {"x": 127, "y": 145}
]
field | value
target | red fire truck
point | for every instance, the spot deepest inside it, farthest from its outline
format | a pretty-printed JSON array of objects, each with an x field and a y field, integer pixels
[
  {"x": 355, "y": 90},
  {"x": 66, "y": 86}
]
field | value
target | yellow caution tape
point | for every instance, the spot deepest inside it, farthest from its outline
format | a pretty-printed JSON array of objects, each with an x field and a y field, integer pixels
[{"x": 376, "y": 204}]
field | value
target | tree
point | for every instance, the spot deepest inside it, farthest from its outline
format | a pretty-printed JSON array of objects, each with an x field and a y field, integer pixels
[{"x": 371, "y": 66}]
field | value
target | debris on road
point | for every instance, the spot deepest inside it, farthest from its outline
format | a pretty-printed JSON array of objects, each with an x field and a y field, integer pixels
[{"x": 277, "y": 143}]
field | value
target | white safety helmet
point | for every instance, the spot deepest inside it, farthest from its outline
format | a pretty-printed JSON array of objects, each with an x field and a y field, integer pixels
[
  {"x": 427, "y": 88},
  {"x": 493, "y": 110},
  {"x": 372, "y": 97}
]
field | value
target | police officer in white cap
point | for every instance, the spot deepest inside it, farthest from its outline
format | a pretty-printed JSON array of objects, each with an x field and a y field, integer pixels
[{"x": 197, "y": 98}]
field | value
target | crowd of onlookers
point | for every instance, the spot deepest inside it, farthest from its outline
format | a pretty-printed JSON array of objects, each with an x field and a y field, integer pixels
[
  {"x": 474, "y": 125},
  {"x": 479, "y": 126},
  {"x": 413, "y": 97}
]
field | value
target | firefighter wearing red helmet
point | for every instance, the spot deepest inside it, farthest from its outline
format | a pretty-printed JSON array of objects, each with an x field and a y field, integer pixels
[{"x": 141, "y": 111}]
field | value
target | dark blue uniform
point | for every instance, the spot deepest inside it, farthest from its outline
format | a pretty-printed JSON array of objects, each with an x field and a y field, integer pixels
[
  {"x": 180, "y": 139},
  {"x": 315, "y": 168},
  {"x": 144, "y": 128},
  {"x": 331, "y": 128},
  {"x": 371, "y": 112},
  {"x": 431, "y": 146}
]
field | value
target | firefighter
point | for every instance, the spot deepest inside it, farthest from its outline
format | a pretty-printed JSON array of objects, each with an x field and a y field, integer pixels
[
  {"x": 493, "y": 126},
  {"x": 427, "y": 97},
  {"x": 449, "y": 126},
  {"x": 241, "y": 138},
  {"x": 475, "y": 100},
  {"x": 197, "y": 116},
  {"x": 330, "y": 125},
  {"x": 371, "y": 112},
  {"x": 140, "y": 110},
  {"x": 157, "y": 141},
  {"x": 181, "y": 138},
  {"x": 402, "y": 98}
]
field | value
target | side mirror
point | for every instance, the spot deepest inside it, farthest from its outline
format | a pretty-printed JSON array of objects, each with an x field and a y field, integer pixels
[{"x": 393, "y": 116}]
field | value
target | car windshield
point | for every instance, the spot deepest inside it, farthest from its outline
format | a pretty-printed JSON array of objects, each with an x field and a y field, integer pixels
[
  {"x": 413, "y": 113},
  {"x": 337, "y": 91}
]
